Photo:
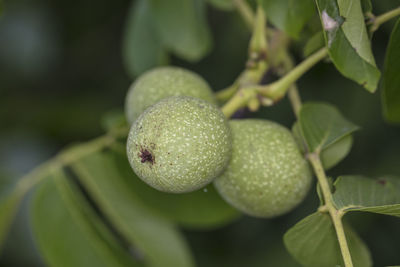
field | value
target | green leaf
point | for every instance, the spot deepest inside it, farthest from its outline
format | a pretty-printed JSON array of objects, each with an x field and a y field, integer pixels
[
  {"x": 222, "y": 4},
  {"x": 158, "y": 240},
  {"x": 113, "y": 119},
  {"x": 142, "y": 47},
  {"x": 9, "y": 205},
  {"x": 330, "y": 155},
  {"x": 322, "y": 125},
  {"x": 313, "y": 242},
  {"x": 357, "y": 193},
  {"x": 336, "y": 152},
  {"x": 319, "y": 191},
  {"x": 289, "y": 15},
  {"x": 366, "y": 6},
  {"x": 68, "y": 232},
  {"x": 347, "y": 41},
  {"x": 296, "y": 132},
  {"x": 182, "y": 26},
  {"x": 316, "y": 42},
  {"x": 391, "y": 78}
]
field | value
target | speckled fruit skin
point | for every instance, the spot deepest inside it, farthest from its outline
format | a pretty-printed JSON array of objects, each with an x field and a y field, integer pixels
[
  {"x": 267, "y": 176},
  {"x": 161, "y": 83},
  {"x": 179, "y": 144}
]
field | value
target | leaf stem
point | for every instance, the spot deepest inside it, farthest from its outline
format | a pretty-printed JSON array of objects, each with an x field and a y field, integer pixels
[
  {"x": 335, "y": 214},
  {"x": 379, "y": 20},
  {"x": 293, "y": 93},
  {"x": 295, "y": 100},
  {"x": 258, "y": 42},
  {"x": 278, "y": 89},
  {"x": 239, "y": 100},
  {"x": 245, "y": 11},
  {"x": 224, "y": 94},
  {"x": 274, "y": 91}
]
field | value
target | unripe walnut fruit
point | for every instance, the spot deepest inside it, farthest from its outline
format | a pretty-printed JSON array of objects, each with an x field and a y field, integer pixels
[
  {"x": 161, "y": 83},
  {"x": 179, "y": 144},
  {"x": 267, "y": 175}
]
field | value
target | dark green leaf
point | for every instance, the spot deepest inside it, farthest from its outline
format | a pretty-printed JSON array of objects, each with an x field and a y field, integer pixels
[
  {"x": 9, "y": 204},
  {"x": 114, "y": 119},
  {"x": 366, "y": 6},
  {"x": 391, "y": 78},
  {"x": 142, "y": 47},
  {"x": 289, "y": 15},
  {"x": 222, "y": 4},
  {"x": 182, "y": 26},
  {"x": 296, "y": 132},
  {"x": 357, "y": 193},
  {"x": 68, "y": 232},
  {"x": 316, "y": 42},
  {"x": 347, "y": 41},
  {"x": 158, "y": 240},
  {"x": 319, "y": 191},
  {"x": 313, "y": 242},
  {"x": 322, "y": 125},
  {"x": 333, "y": 154}
]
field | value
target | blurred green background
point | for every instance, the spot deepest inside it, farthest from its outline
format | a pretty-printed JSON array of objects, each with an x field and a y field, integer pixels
[{"x": 61, "y": 71}]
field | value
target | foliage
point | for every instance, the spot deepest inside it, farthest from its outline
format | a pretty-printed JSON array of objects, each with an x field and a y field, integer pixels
[{"x": 89, "y": 209}]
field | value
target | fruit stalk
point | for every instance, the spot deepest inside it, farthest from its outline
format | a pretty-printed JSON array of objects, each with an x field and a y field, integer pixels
[
  {"x": 379, "y": 20},
  {"x": 245, "y": 11},
  {"x": 239, "y": 100},
  {"x": 256, "y": 64},
  {"x": 335, "y": 214},
  {"x": 278, "y": 89},
  {"x": 274, "y": 91},
  {"x": 293, "y": 93}
]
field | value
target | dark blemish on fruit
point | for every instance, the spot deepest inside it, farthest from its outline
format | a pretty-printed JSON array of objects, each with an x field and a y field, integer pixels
[
  {"x": 381, "y": 181},
  {"x": 146, "y": 156},
  {"x": 262, "y": 56},
  {"x": 152, "y": 145},
  {"x": 200, "y": 106}
]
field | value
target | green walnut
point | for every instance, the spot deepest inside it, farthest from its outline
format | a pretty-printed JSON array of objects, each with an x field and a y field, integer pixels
[
  {"x": 161, "y": 83},
  {"x": 179, "y": 144},
  {"x": 267, "y": 175}
]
